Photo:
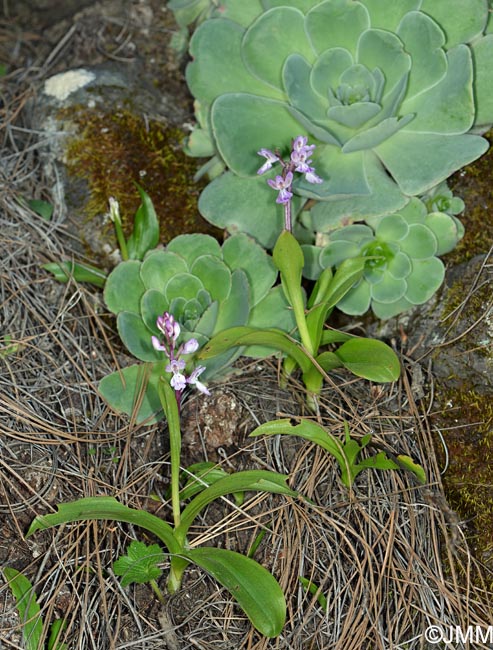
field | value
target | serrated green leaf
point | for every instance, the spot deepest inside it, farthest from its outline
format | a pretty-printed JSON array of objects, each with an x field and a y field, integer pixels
[{"x": 140, "y": 564}]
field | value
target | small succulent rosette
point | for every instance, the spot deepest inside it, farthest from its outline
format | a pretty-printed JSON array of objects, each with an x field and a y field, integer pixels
[
  {"x": 206, "y": 288},
  {"x": 403, "y": 269}
]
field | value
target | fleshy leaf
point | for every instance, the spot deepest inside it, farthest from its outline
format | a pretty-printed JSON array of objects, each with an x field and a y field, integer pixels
[
  {"x": 124, "y": 288},
  {"x": 133, "y": 391}
]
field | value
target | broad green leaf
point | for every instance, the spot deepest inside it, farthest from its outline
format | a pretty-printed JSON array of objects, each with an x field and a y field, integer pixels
[
  {"x": 461, "y": 20},
  {"x": 271, "y": 338},
  {"x": 334, "y": 336},
  {"x": 243, "y": 252},
  {"x": 223, "y": 202},
  {"x": 124, "y": 288},
  {"x": 288, "y": 257},
  {"x": 133, "y": 391},
  {"x": 27, "y": 606},
  {"x": 370, "y": 359},
  {"x": 407, "y": 463},
  {"x": 64, "y": 271},
  {"x": 482, "y": 51},
  {"x": 248, "y": 480},
  {"x": 190, "y": 247},
  {"x": 235, "y": 309},
  {"x": 145, "y": 234},
  {"x": 159, "y": 267},
  {"x": 140, "y": 564},
  {"x": 253, "y": 587},
  {"x": 306, "y": 429},
  {"x": 136, "y": 336},
  {"x": 423, "y": 39},
  {"x": 265, "y": 123},
  {"x": 269, "y": 41},
  {"x": 272, "y": 308},
  {"x": 339, "y": 24},
  {"x": 43, "y": 208},
  {"x": 104, "y": 508},
  {"x": 444, "y": 154},
  {"x": 215, "y": 276},
  {"x": 217, "y": 66},
  {"x": 425, "y": 278}
]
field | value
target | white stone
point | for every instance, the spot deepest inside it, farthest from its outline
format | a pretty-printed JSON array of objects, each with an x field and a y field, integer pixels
[{"x": 64, "y": 84}]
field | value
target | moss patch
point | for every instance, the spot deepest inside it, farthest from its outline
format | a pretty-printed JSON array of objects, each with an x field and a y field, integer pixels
[
  {"x": 466, "y": 421},
  {"x": 473, "y": 185},
  {"x": 115, "y": 149}
]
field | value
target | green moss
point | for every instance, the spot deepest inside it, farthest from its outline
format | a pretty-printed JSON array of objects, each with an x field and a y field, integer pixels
[
  {"x": 116, "y": 149},
  {"x": 466, "y": 421},
  {"x": 473, "y": 185}
]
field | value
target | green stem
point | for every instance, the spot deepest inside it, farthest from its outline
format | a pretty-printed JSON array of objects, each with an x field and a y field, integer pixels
[
  {"x": 170, "y": 407},
  {"x": 177, "y": 568},
  {"x": 157, "y": 591}
]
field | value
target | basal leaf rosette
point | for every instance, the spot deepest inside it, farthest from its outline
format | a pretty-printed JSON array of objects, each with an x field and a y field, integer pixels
[
  {"x": 207, "y": 288},
  {"x": 392, "y": 93},
  {"x": 402, "y": 270}
]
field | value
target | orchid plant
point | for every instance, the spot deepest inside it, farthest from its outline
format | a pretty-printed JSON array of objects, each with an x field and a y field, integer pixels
[
  {"x": 364, "y": 357},
  {"x": 253, "y": 587}
]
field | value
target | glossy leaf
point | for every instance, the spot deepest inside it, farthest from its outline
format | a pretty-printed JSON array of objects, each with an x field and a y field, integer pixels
[
  {"x": 27, "y": 606},
  {"x": 253, "y": 587},
  {"x": 78, "y": 271},
  {"x": 248, "y": 480},
  {"x": 104, "y": 508},
  {"x": 370, "y": 359},
  {"x": 145, "y": 234}
]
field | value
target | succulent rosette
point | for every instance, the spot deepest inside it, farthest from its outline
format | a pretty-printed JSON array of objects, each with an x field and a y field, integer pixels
[
  {"x": 394, "y": 95},
  {"x": 206, "y": 288},
  {"x": 403, "y": 269}
]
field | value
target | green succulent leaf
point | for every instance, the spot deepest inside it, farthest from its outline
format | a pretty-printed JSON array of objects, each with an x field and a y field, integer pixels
[
  {"x": 124, "y": 288},
  {"x": 392, "y": 95},
  {"x": 133, "y": 391}
]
